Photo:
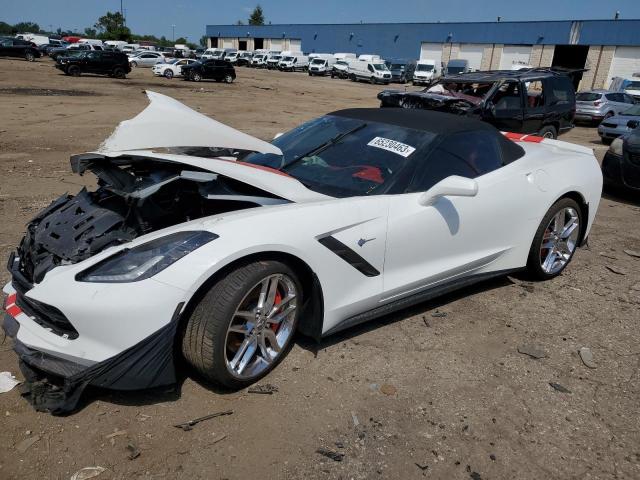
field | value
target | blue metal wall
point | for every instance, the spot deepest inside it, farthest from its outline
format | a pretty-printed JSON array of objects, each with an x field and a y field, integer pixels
[{"x": 402, "y": 40}]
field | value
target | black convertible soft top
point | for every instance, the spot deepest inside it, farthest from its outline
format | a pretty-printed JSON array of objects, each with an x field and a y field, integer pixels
[{"x": 438, "y": 123}]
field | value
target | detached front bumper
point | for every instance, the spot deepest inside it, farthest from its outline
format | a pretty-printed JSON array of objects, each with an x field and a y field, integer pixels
[{"x": 61, "y": 353}]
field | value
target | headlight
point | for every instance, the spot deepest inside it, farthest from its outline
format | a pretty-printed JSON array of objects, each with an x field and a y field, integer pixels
[
  {"x": 146, "y": 260},
  {"x": 616, "y": 146}
]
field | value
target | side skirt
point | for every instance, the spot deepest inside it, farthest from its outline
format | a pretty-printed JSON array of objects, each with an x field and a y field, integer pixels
[{"x": 416, "y": 298}]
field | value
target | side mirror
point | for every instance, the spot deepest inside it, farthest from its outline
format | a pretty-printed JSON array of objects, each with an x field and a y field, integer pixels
[{"x": 454, "y": 186}]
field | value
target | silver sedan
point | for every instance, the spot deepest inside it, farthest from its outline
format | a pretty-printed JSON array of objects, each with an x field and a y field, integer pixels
[
  {"x": 612, "y": 127},
  {"x": 146, "y": 59}
]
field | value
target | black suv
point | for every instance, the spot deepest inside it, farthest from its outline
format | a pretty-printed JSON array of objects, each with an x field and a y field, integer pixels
[
  {"x": 106, "y": 62},
  {"x": 219, "y": 70},
  {"x": 533, "y": 101},
  {"x": 14, "y": 47},
  {"x": 621, "y": 163}
]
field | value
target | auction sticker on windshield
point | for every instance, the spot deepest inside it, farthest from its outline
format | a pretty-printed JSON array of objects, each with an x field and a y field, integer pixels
[{"x": 392, "y": 146}]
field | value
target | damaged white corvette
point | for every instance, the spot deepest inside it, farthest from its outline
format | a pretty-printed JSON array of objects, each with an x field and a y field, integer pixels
[{"x": 205, "y": 242}]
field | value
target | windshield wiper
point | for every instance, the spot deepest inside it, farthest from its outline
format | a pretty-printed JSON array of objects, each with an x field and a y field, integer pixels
[{"x": 322, "y": 147}]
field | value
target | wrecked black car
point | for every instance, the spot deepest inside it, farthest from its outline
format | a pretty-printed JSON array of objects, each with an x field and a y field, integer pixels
[{"x": 532, "y": 101}]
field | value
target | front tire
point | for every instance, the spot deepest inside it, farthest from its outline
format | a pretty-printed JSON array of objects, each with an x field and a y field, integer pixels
[
  {"x": 134, "y": 64},
  {"x": 556, "y": 240},
  {"x": 196, "y": 77},
  {"x": 228, "y": 78},
  {"x": 119, "y": 72},
  {"x": 168, "y": 74},
  {"x": 29, "y": 57},
  {"x": 242, "y": 328}
]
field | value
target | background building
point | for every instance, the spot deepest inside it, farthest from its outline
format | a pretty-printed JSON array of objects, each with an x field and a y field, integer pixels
[{"x": 608, "y": 48}]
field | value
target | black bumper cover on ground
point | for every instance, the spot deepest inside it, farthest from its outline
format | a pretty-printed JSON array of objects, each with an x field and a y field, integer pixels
[{"x": 55, "y": 385}]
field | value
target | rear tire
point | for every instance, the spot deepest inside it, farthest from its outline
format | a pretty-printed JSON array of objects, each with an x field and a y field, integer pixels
[
  {"x": 548, "y": 131},
  {"x": 196, "y": 77},
  {"x": 168, "y": 74},
  {"x": 215, "y": 333},
  {"x": 29, "y": 57},
  {"x": 228, "y": 78},
  {"x": 556, "y": 240},
  {"x": 119, "y": 72}
]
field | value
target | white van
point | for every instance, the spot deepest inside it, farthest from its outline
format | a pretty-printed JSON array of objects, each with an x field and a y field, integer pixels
[
  {"x": 259, "y": 60},
  {"x": 628, "y": 85},
  {"x": 116, "y": 44},
  {"x": 33, "y": 38},
  {"x": 321, "y": 63},
  {"x": 91, "y": 41},
  {"x": 370, "y": 58},
  {"x": 373, "y": 71},
  {"x": 273, "y": 59},
  {"x": 130, "y": 47},
  {"x": 293, "y": 62},
  {"x": 344, "y": 56},
  {"x": 425, "y": 72}
]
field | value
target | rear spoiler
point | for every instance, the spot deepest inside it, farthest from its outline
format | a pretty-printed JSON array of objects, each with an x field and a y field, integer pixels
[{"x": 519, "y": 137}]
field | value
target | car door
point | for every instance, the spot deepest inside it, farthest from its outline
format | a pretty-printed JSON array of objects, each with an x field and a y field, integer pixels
[
  {"x": 534, "y": 105},
  {"x": 457, "y": 237},
  {"x": 5, "y": 46},
  {"x": 92, "y": 62},
  {"x": 505, "y": 108}
]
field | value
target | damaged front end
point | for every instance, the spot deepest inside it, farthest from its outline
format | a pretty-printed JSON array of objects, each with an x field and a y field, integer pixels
[{"x": 61, "y": 340}]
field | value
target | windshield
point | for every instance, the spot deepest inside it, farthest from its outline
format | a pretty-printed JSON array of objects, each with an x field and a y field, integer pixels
[
  {"x": 633, "y": 111},
  {"x": 344, "y": 157},
  {"x": 172, "y": 61},
  {"x": 380, "y": 66},
  {"x": 455, "y": 69},
  {"x": 424, "y": 68},
  {"x": 396, "y": 66},
  {"x": 287, "y": 59},
  {"x": 275, "y": 57},
  {"x": 318, "y": 61},
  {"x": 588, "y": 97},
  {"x": 342, "y": 62}
]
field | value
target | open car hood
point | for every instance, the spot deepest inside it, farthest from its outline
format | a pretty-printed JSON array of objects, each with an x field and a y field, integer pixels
[{"x": 167, "y": 123}]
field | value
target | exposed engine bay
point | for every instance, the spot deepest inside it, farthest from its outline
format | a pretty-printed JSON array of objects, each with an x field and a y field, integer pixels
[{"x": 135, "y": 196}]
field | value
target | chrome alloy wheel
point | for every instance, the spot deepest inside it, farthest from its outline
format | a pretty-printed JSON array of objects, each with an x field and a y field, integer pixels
[
  {"x": 261, "y": 326},
  {"x": 559, "y": 240}
]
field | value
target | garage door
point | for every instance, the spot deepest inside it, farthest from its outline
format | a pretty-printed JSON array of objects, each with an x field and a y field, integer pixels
[
  {"x": 515, "y": 55},
  {"x": 431, "y": 51},
  {"x": 227, "y": 43},
  {"x": 473, "y": 54},
  {"x": 626, "y": 62},
  {"x": 295, "y": 45},
  {"x": 276, "y": 44}
]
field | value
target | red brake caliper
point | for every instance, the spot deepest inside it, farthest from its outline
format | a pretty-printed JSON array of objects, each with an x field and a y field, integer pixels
[{"x": 276, "y": 301}]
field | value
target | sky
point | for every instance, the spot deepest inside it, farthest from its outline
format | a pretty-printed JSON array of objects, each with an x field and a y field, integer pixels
[{"x": 190, "y": 16}]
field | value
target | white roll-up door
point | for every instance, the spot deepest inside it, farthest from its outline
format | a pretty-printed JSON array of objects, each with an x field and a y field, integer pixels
[
  {"x": 472, "y": 53},
  {"x": 227, "y": 43},
  {"x": 295, "y": 45},
  {"x": 276, "y": 44},
  {"x": 626, "y": 62},
  {"x": 515, "y": 55},
  {"x": 431, "y": 51}
]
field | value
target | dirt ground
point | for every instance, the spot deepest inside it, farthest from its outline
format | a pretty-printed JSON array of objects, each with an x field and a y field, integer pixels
[{"x": 413, "y": 395}]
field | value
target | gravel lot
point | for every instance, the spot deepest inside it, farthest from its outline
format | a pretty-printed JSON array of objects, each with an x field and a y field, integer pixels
[{"x": 411, "y": 395}]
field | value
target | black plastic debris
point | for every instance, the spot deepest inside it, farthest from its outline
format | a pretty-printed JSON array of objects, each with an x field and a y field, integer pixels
[
  {"x": 559, "y": 388},
  {"x": 335, "y": 456},
  {"x": 186, "y": 426}
]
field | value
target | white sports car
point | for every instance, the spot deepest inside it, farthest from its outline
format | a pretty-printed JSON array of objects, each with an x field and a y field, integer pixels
[
  {"x": 172, "y": 68},
  {"x": 203, "y": 240}
]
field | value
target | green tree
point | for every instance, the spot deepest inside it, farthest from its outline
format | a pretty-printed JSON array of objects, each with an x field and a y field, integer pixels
[
  {"x": 5, "y": 29},
  {"x": 181, "y": 40},
  {"x": 203, "y": 41},
  {"x": 111, "y": 27},
  {"x": 90, "y": 32},
  {"x": 257, "y": 16},
  {"x": 30, "y": 27}
]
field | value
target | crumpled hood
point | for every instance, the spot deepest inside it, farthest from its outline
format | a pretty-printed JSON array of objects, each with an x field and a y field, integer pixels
[{"x": 167, "y": 123}]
